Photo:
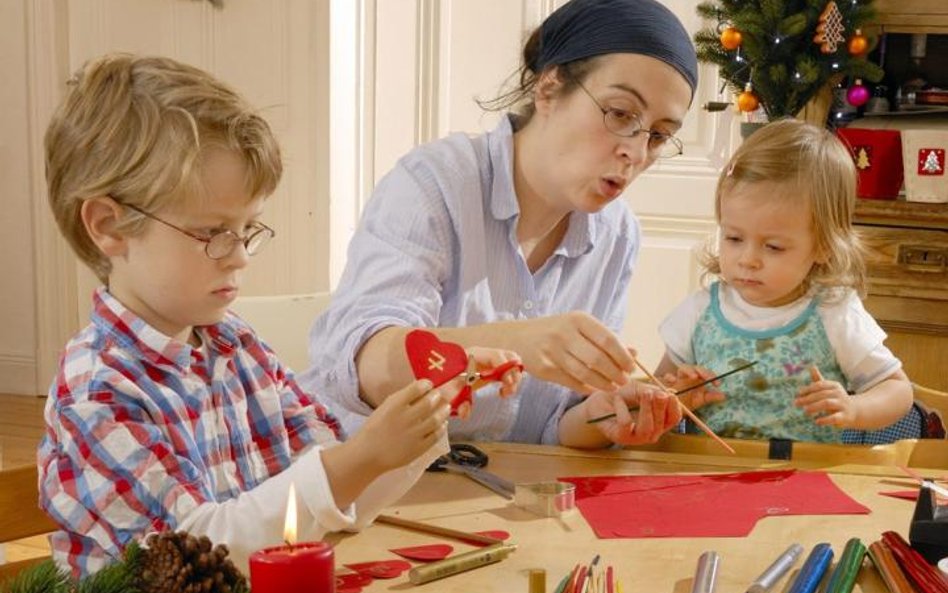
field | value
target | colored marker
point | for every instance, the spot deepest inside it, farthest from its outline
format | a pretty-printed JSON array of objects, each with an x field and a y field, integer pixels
[
  {"x": 808, "y": 580},
  {"x": 844, "y": 575},
  {"x": 706, "y": 573},
  {"x": 460, "y": 563},
  {"x": 775, "y": 571}
]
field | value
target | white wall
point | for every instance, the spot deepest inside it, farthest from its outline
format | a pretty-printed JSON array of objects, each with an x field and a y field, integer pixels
[{"x": 346, "y": 105}]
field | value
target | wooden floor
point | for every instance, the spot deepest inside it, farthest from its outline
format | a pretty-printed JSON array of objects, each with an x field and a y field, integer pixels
[{"x": 21, "y": 428}]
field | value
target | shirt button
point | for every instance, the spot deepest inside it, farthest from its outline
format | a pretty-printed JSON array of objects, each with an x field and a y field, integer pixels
[{"x": 528, "y": 305}]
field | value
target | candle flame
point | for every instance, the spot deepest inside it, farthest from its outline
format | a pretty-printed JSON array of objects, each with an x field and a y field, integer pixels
[{"x": 289, "y": 526}]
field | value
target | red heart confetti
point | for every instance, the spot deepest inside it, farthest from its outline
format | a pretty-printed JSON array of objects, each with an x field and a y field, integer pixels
[
  {"x": 433, "y": 359},
  {"x": 381, "y": 569},
  {"x": 425, "y": 553},
  {"x": 352, "y": 582}
]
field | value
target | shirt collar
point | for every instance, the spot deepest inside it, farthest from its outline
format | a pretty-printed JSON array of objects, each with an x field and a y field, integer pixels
[
  {"x": 114, "y": 319},
  {"x": 582, "y": 232}
]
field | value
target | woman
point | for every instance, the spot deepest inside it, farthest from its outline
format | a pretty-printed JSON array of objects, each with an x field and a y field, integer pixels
[{"x": 515, "y": 239}]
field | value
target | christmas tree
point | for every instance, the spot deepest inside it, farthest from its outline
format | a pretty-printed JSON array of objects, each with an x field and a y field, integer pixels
[{"x": 779, "y": 54}]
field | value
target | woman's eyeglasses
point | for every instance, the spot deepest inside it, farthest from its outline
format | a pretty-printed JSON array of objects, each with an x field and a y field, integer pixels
[{"x": 628, "y": 125}]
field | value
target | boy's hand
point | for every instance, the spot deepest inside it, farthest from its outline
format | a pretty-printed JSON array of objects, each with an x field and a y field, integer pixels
[
  {"x": 686, "y": 376},
  {"x": 406, "y": 425},
  {"x": 657, "y": 413},
  {"x": 826, "y": 402}
]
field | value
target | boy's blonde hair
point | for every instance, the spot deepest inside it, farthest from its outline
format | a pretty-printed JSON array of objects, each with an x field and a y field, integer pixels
[
  {"x": 820, "y": 172},
  {"x": 136, "y": 129}
]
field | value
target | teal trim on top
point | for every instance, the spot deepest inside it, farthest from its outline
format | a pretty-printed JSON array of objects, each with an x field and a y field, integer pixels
[{"x": 762, "y": 334}]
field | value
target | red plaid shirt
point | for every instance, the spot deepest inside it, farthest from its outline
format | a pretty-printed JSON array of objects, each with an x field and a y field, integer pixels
[{"x": 142, "y": 429}]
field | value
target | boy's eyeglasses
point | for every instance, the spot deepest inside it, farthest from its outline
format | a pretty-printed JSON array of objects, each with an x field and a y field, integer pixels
[
  {"x": 628, "y": 125},
  {"x": 221, "y": 244}
]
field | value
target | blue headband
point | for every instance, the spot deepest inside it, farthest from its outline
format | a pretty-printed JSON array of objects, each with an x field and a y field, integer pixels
[{"x": 586, "y": 28}]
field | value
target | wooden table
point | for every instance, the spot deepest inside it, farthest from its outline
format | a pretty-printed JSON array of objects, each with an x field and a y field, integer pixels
[{"x": 643, "y": 565}]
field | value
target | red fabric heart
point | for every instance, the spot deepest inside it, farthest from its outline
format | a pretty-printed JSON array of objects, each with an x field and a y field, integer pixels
[
  {"x": 425, "y": 553},
  {"x": 433, "y": 359},
  {"x": 352, "y": 582},
  {"x": 381, "y": 569}
]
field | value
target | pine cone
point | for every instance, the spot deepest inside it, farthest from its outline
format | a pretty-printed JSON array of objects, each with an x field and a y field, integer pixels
[{"x": 176, "y": 562}]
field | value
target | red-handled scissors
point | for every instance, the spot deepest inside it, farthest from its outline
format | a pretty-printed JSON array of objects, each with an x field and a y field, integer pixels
[{"x": 474, "y": 380}]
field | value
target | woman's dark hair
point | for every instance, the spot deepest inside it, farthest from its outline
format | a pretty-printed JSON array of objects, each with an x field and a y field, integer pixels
[{"x": 520, "y": 98}]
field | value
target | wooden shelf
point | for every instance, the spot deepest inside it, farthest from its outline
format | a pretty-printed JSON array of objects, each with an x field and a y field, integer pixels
[
  {"x": 902, "y": 214},
  {"x": 908, "y": 282},
  {"x": 912, "y": 16}
]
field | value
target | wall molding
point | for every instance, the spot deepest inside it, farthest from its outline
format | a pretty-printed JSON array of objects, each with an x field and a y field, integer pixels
[
  {"x": 19, "y": 375},
  {"x": 428, "y": 30},
  {"x": 53, "y": 263}
]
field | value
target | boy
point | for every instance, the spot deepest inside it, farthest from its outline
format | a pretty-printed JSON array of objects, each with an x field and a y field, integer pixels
[{"x": 168, "y": 412}]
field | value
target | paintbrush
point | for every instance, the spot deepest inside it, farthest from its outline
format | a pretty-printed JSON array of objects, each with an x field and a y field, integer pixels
[{"x": 683, "y": 391}]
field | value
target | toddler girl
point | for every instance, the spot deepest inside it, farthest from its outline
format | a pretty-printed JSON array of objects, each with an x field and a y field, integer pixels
[{"x": 789, "y": 273}]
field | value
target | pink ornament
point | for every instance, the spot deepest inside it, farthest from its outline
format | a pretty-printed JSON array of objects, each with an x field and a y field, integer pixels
[{"x": 857, "y": 95}]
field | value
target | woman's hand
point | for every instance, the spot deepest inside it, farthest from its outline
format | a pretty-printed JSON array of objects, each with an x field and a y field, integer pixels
[
  {"x": 657, "y": 413},
  {"x": 827, "y": 402},
  {"x": 486, "y": 359},
  {"x": 575, "y": 350},
  {"x": 684, "y": 377}
]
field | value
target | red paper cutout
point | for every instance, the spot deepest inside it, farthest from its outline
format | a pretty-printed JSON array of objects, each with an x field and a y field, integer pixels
[
  {"x": 352, "y": 582},
  {"x": 382, "y": 569},
  {"x": 425, "y": 553},
  {"x": 494, "y": 533},
  {"x": 903, "y": 494},
  {"x": 715, "y": 505}
]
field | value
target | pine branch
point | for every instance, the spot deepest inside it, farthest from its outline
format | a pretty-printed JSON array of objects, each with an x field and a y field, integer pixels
[
  {"x": 708, "y": 11},
  {"x": 45, "y": 577},
  {"x": 114, "y": 578}
]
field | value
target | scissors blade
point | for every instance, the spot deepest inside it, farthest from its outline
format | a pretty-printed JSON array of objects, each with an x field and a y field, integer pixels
[{"x": 493, "y": 482}]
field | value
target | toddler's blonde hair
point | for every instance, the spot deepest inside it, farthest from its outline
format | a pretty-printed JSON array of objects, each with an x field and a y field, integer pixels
[
  {"x": 136, "y": 129},
  {"x": 820, "y": 173}
]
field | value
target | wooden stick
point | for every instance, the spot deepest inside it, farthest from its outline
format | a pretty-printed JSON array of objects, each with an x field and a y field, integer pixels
[
  {"x": 704, "y": 427},
  {"x": 924, "y": 483},
  {"x": 463, "y": 536}
]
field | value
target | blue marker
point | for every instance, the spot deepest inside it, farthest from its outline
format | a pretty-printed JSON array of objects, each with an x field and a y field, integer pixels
[{"x": 808, "y": 580}]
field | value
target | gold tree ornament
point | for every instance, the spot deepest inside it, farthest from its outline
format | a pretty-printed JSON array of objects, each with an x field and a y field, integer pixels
[
  {"x": 858, "y": 44},
  {"x": 829, "y": 33},
  {"x": 730, "y": 38},
  {"x": 748, "y": 101}
]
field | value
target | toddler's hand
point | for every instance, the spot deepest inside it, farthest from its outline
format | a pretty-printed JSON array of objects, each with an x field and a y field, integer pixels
[
  {"x": 826, "y": 402},
  {"x": 406, "y": 425},
  {"x": 687, "y": 376},
  {"x": 657, "y": 413}
]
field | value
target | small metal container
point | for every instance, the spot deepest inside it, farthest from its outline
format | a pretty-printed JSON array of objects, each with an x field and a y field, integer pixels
[{"x": 547, "y": 499}]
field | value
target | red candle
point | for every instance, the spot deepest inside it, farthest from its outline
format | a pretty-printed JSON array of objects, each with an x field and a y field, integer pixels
[{"x": 300, "y": 568}]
